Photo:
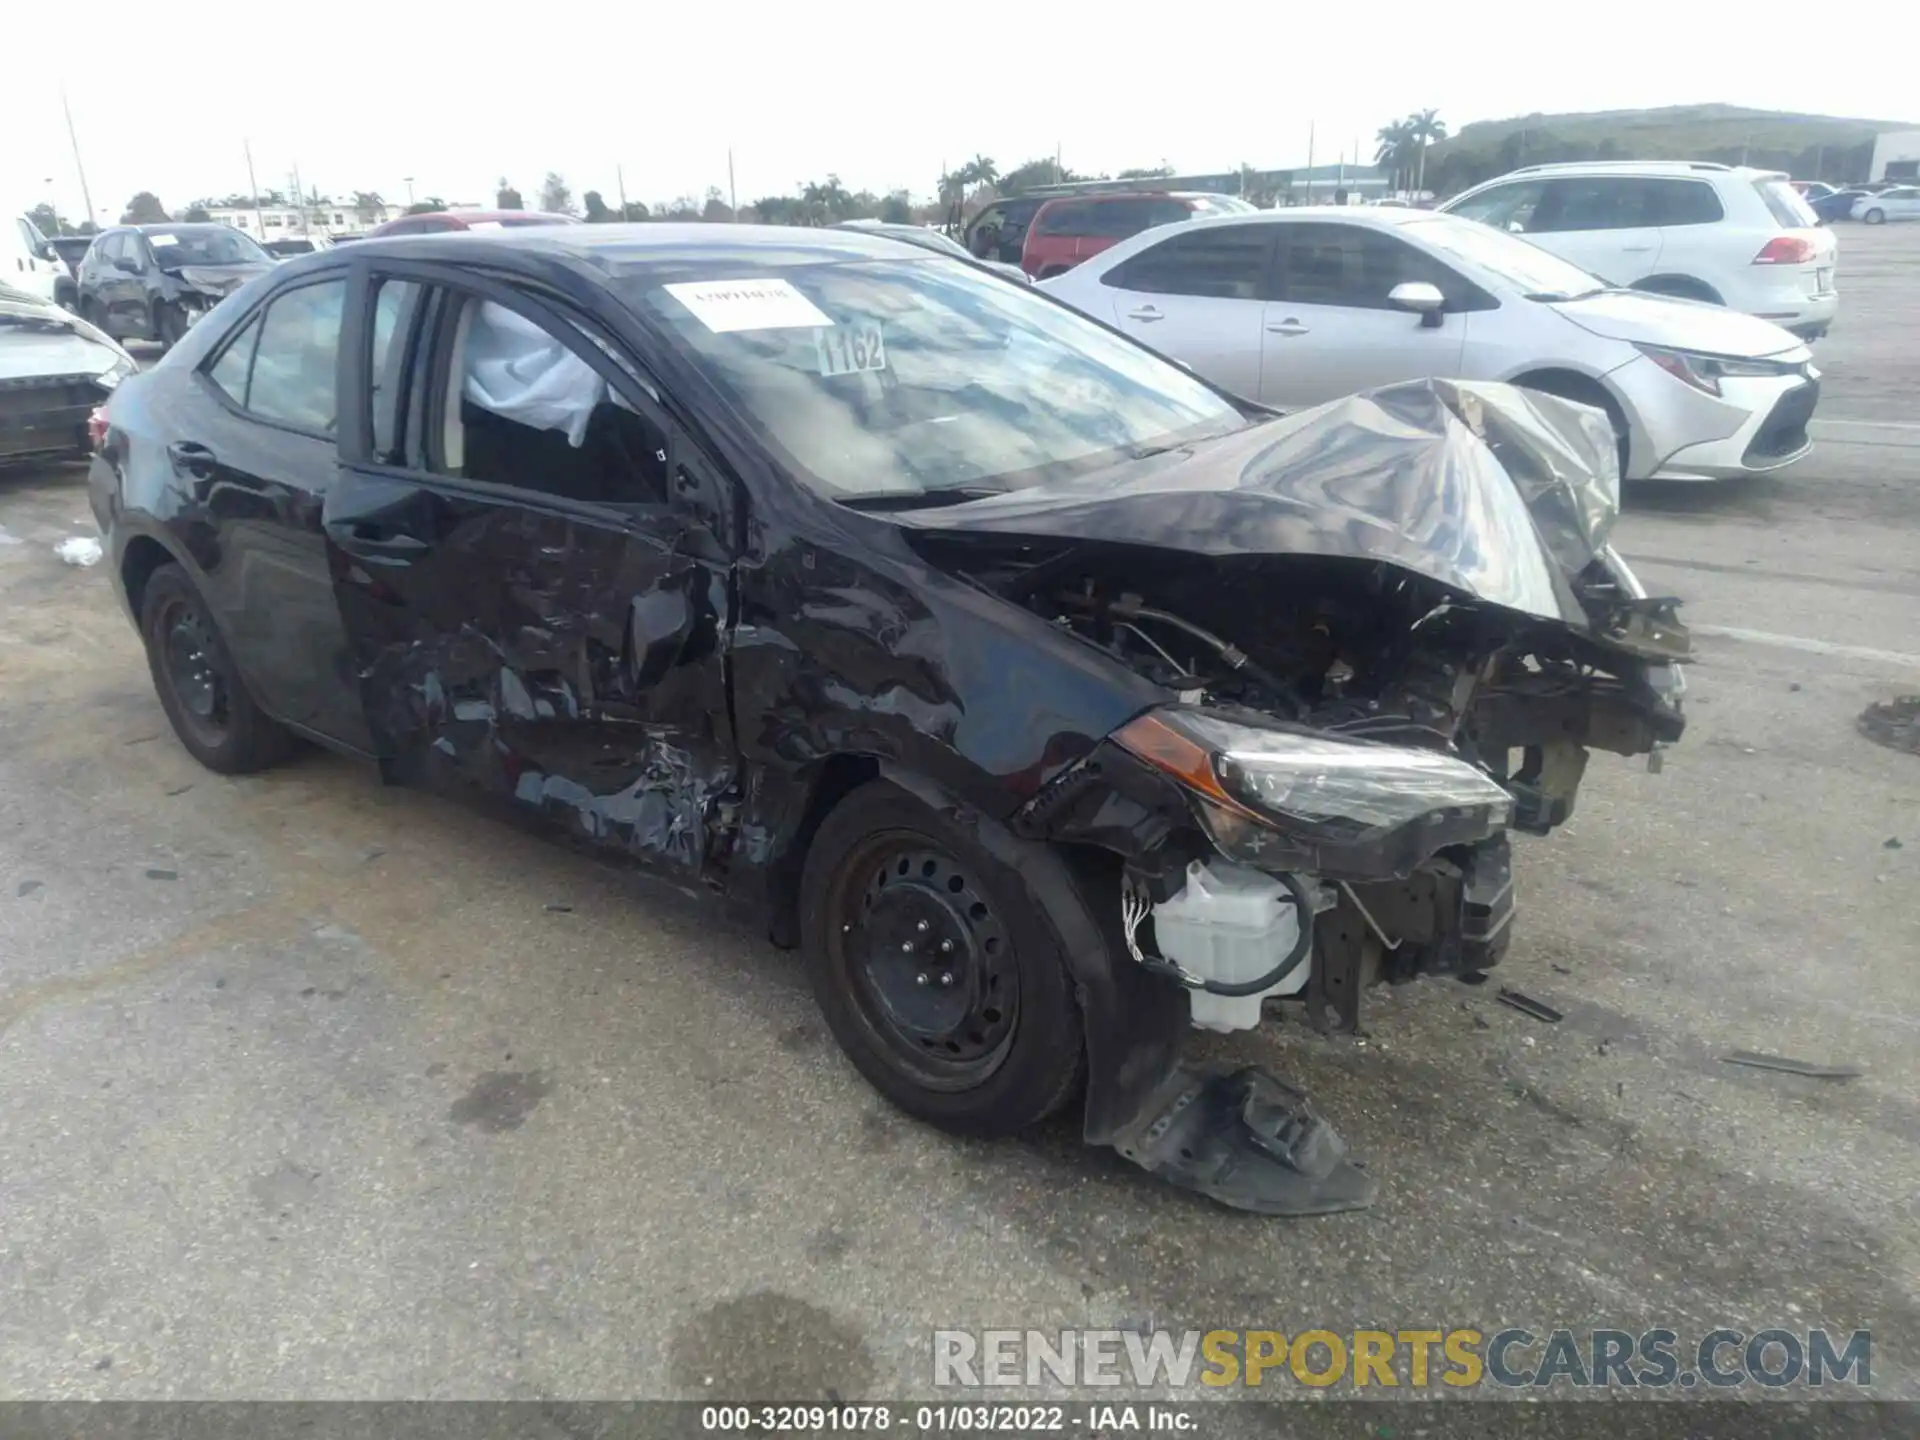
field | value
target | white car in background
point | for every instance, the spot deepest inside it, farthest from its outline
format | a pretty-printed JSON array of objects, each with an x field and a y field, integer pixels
[
  {"x": 28, "y": 263},
  {"x": 1296, "y": 307},
  {"x": 1900, "y": 203},
  {"x": 1725, "y": 234}
]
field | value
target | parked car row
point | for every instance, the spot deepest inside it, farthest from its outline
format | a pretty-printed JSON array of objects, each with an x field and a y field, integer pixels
[
  {"x": 1297, "y": 307},
  {"x": 1048, "y": 695}
]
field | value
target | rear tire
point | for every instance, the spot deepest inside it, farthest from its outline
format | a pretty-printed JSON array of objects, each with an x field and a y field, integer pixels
[
  {"x": 936, "y": 968},
  {"x": 199, "y": 686}
]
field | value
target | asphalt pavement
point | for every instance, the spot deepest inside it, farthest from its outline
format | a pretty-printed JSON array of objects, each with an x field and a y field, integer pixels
[{"x": 311, "y": 1089}]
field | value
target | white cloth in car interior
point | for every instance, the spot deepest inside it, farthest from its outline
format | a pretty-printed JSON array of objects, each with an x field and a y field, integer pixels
[{"x": 517, "y": 370}]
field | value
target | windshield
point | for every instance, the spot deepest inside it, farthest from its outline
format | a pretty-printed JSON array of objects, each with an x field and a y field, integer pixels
[
  {"x": 1507, "y": 258},
  {"x": 212, "y": 245},
  {"x": 890, "y": 381}
]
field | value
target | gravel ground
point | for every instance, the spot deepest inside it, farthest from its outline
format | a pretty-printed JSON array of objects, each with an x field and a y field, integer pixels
[{"x": 308, "y": 1091}]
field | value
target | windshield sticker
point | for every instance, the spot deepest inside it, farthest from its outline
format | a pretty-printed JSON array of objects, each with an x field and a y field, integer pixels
[
  {"x": 727, "y": 305},
  {"x": 849, "y": 349},
  {"x": 158, "y": 240}
]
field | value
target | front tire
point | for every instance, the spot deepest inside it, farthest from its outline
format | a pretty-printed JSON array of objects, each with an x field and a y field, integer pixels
[
  {"x": 199, "y": 686},
  {"x": 937, "y": 968},
  {"x": 169, "y": 324},
  {"x": 1875, "y": 216},
  {"x": 1586, "y": 392}
]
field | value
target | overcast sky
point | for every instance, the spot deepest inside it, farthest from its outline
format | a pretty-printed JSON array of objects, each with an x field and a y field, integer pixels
[{"x": 360, "y": 95}]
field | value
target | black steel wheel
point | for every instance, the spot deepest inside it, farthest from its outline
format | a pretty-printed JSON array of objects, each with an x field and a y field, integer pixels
[
  {"x": 936, "y": 969},
  {"x": 199, "y": 686}
]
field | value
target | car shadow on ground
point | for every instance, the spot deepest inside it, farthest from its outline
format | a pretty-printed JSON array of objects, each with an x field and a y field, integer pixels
[{"x": 1754, "y": 498}]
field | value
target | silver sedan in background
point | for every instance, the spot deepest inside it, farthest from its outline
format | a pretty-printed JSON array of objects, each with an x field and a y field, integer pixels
[{"x": 1301, "y": 306}]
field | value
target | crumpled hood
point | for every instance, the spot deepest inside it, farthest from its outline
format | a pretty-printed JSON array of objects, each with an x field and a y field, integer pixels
[
  {"x": 219, "y": 280},
  {"x": 1501, "y": 493},
  {"x": 1644, "y": 319}
]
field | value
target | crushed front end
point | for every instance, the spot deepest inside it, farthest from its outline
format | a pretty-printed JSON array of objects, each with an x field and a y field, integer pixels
[{"x": 1389, "y": 636}]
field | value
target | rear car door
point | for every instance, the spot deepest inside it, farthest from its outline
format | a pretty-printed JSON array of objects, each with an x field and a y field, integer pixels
[
  {"x": 1199, "y": 297},
  {"x": 261, "y": 411},
  {"x": 1606, "y": 224},
  {"x": 118, "y": 291},
  {"x": 1331, "y": 330},
  {"x": 530, "y": 559}
]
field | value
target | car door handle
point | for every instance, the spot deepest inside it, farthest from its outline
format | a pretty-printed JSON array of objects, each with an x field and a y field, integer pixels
[
  {"x": 1146, "y": 314},
  {"x": 375, "y": 542},
  {"x": 191, "y": 458},
  {"x": 1288, "y": 326}
]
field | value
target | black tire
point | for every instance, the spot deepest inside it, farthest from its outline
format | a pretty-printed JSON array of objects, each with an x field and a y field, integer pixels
[
  {"x": 1586, "y": 392},
  {"x": 169, "y": 324},
  {"x": 1875, "y": 216},
  {"x": 987, "y": 1040},
  {"x": 91, "y": 312},
  {"x": 200, "y": 687}
]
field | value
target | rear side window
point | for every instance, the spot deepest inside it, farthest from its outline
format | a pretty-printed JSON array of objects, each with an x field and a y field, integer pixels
[
  {"x": 398, "y": 308},
  {"x": 1597, "y": 202},
  {"x": 1687, "y": 202},
  {"x": 1065, "y": 220},
  {"x": 1117, "y": 219},
  {"x": 1227, "y": 262},
  {"x": 1785, "y": 205},
  {"x": 282, "y": 366}
]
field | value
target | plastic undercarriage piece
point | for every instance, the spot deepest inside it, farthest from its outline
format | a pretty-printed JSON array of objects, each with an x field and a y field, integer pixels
[{"x": 1247, "y": 1140}]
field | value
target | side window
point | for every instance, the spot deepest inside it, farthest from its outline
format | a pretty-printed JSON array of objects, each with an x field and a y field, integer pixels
[
  {"x": 523, "y": 407},
  {"x": 1117, "y": 219},
  {"x": 1226, "y": 262},
  {"x": 1066, "y": 220},
  {"x": 106, "y": 249},
  {"x": 398, "y": 307},
  {"x": 1352, "y": 266},
  {"x": 1597, "y": 202},
  {"x": 1505, "y": 207},
  {"x": 1684, "y": 202},
  {"x": 234, "y": 365},
  {"x": 295, "y": 360}
]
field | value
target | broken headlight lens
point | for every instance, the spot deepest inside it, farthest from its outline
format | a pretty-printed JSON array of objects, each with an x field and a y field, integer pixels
[
  {"x": 1291, "y": 799},
  {"x": 110, "y": 378}
]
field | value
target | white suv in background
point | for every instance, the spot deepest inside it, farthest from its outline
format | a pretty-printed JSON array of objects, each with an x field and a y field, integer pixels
[{"x": 1720, "y": 233}]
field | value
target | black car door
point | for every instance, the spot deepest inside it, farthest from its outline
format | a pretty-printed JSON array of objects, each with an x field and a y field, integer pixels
[
  {"x": 529, "y": 561},
  {"x": 254, "y": 452},
  {"x": 110, "y": 281}
]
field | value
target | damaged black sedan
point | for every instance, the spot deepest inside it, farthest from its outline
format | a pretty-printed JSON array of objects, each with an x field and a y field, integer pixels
[
  {"x": 1051, "y": 700},
  {"x": 154, "y": 282}
]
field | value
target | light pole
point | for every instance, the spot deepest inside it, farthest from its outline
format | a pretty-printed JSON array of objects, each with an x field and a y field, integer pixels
[{"x": 409, "y": 181}]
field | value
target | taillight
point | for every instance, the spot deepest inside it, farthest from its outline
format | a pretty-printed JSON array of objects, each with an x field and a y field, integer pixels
[
  {"x": 97, "y": 427},
  {"x": 1785, "y": 250}
]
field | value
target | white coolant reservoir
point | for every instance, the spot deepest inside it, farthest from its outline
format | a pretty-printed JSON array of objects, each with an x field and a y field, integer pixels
[{"x": 1230, "y": 924}]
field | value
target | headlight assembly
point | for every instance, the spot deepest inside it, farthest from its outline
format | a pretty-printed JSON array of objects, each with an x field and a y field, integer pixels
[
  {"x": 1705, "y": 372},
  {"x": 1294, "y": 800},
  {"x": 111, "y": 377}
]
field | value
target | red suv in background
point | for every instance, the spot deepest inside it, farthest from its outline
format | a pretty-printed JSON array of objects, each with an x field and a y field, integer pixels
[
  {"x": 1069, "y": 228},
  {"x": 441, "y": 220}
]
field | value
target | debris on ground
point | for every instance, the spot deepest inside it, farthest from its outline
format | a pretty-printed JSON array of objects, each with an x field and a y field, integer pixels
[
  {"x": 1894, "y": 723},
  {"x": 1527, "y": 1005},
  {"x": 79, "y": 550},
  {"x": 558, "y": 909},
  {"x": 1790, "y": 1066},
  {"x": 1892, "y": 842}
]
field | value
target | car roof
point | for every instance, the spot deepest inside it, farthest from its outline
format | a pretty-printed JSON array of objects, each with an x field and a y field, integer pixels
[
  {"x": 1699, "y": 168},
  {"x": 483, "y": 215},
  {"x": 643, "y": 246}
]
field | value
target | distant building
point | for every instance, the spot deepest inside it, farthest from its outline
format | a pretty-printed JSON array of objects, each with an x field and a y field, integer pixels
[
  {"x": 294, "y": 222},
  {"x": 1896, "y": 156}
]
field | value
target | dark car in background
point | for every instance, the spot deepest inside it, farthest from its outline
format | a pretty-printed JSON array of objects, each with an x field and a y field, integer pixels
[
  {"x": 436, "y": 222},
  {"x": 71, "y": 249},
  {"x": 979, "y": 650},
  {"x": 1070, "y": 228},
  {"x": 939, "y": 242},
  {"x": 999, "y": 232},
  {"x": 1835, "y": 204},
  {"x": 154, "y": 282}
]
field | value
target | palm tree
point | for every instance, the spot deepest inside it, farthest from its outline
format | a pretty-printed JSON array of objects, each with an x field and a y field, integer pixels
[
  {"x": 979, "y": 171},
  {"x": 1396, "y": 150},
  {"x": 1426, "y": 127}
]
